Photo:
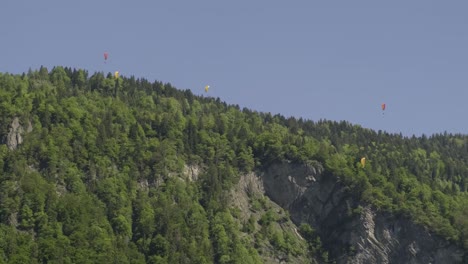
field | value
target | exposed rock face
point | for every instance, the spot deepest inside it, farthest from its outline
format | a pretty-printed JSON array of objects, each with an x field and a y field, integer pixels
[
  {"x": 14, "y": 137},
  {"x": 249, "y": 188},
  {"x": 362, "y": 236},
  {"x": 191, "y": 172}
]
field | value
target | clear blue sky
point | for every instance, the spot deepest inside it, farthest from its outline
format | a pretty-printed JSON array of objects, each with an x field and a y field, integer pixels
[{"x": 336, "y": 60}]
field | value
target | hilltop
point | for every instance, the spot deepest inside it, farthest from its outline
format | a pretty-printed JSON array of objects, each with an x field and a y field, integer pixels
[{"x": 95, "y": 168}]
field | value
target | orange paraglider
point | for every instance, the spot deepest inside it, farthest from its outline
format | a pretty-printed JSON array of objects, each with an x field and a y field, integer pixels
[{"x": 383, "y": 106}]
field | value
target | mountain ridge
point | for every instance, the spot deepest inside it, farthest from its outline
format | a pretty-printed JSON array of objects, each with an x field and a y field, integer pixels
[{"x": 133, "y": 171}]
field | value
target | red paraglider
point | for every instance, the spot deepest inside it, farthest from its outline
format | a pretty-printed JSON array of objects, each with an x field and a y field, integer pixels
[{"x": 105, "y": 56}]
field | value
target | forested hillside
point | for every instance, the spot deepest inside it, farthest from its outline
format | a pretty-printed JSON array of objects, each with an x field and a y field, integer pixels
[{"x": 92, "y": 171}]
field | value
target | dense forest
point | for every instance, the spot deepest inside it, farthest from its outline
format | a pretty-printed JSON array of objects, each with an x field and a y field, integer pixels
[{"x": 98, "y": 174}]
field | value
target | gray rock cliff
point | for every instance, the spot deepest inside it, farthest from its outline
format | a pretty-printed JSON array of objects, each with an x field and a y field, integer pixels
[
  {"x": 352, "y": 236},
  {"x": 15, "y": 135}
]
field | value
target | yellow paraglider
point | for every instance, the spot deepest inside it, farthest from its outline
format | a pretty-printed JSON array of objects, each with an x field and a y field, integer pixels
[
  {"x": 206, "y": 88},
  {"x": 116, "y": 74},
  {"x": 363, "y": 162}
]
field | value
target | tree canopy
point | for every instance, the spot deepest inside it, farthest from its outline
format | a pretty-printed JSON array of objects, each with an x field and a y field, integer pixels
[{"x": 97, "y": 178}]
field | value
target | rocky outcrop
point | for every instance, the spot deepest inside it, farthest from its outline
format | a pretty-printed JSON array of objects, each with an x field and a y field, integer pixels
[
  {"x": 249, "y": 189},
  {"x": 191, "y": 172},
  {"x": 15, "y": 135},
  {"x": 352, "y": 235}
]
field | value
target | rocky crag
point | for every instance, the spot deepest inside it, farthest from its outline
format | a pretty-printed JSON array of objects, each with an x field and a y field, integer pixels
[{"x": 352, "y": 232}]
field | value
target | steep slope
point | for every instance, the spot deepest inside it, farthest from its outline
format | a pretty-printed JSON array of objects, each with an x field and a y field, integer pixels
[
  {"x": 352, "y": 232},
  {"x": 268, "y": 225}
]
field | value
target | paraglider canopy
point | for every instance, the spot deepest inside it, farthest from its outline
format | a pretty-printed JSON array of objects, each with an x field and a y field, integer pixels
[
  {"x": 383, "y": 107},
  {"x": 363, "y": 162},
  {"x": 105, "y": 56},
  {"x": 116, "y": 74},
  {"x": 207, "y": 88}
]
